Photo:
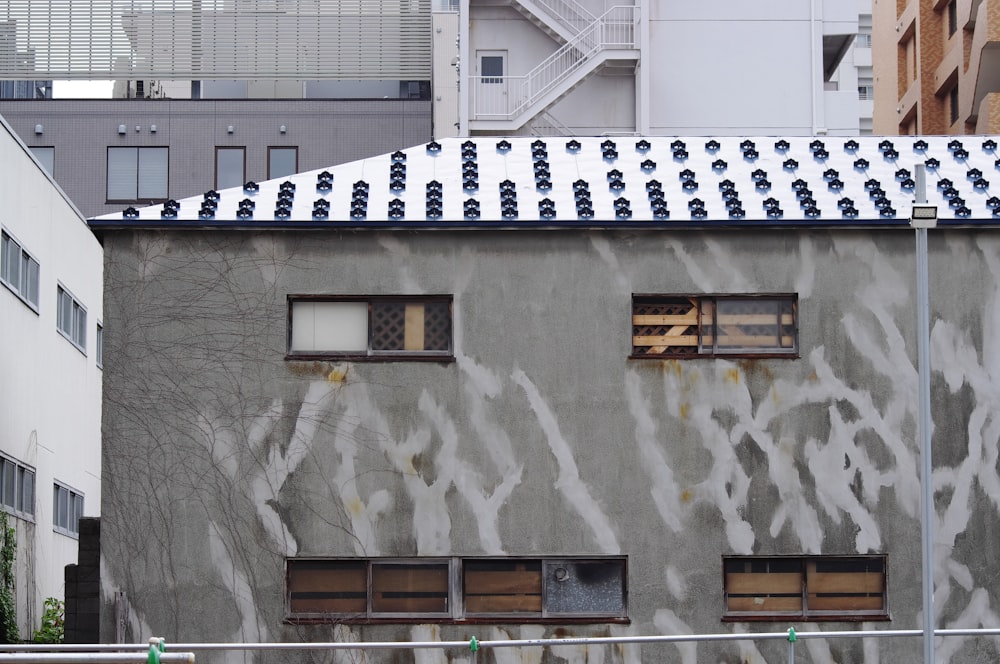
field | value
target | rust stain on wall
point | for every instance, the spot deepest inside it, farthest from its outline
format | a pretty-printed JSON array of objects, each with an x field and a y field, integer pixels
[
  {"x": 309, "y": 368},
  {"x": 337, "y": 375}
]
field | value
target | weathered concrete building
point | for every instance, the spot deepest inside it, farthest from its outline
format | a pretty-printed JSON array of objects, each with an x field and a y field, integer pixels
[{"x": 519, "y": 389}]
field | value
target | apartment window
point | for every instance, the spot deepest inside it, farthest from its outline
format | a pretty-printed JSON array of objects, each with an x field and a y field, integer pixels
[
  {"x": 137, "y": 174},
  {"x": 443, "y": 590},
  {"x": 282, "y": 162},
  {"x": 952, "y": 17},
  {"x": 46, "y": 156},
  {"x": 71, "y": 319},
  {"x": 714, "y": 325},
  {"x": 67, "y": 508},
  {"x": 230, "y": 167},
  {"x": 371, "y": 328},
  {"x": 805, "y": 588},
  {"x": 99, "y": 345},
  {"x": 953, "y": 103},
  {"x": 866, "y": 92},
  {"x": 17, "y": 488},
  {"x": 18, "y": 270}
]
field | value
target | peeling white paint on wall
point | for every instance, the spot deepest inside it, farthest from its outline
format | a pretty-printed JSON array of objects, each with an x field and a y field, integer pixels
[
  {"x": 663, "y": 486},
  {"x": 569, "y": 483},
  {"x": 252, "y": 627}
]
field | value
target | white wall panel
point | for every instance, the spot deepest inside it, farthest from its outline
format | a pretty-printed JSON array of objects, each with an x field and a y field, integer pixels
[{"x": 698, "y": 78}]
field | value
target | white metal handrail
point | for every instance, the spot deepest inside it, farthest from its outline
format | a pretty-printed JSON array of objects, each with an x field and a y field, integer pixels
[
  {"x": 504, "y": 98},
  {"x": 24, "y": 653},
  {"x": 569, "y": 14},
  {"x": 92, "y": 657}
]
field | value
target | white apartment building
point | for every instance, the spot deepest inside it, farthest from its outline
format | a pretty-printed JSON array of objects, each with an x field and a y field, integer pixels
[
  {"x": 587, "y": 67},
  {"x": 580, "y": 67},
  {"x": 51, "y": 281}
]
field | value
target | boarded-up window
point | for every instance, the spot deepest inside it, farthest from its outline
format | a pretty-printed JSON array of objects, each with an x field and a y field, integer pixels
[
  {"x": 322, "y": 587},
  {"x": 710, "y": 325},
  {"x": 500, "y": 586},
  {"x": 383, "y": 327},
  {"x": 445, "y": 590},
  {"x": 806, "y": 588},
  {"x": 409, "y": 588}
]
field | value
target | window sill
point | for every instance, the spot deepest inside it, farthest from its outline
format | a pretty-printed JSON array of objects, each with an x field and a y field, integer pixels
[
  {"x": 23, "y": 516},
  {"x": 65, "y": 533},
  {"x": 798, "y": 617},
  {"x": 17, "y": 294},
  {"x": 360, "y": 357},
  {"x": 720, "y": 356},
  {"x": 425, "y": 620},
  {"x": 73, "y": 343}
]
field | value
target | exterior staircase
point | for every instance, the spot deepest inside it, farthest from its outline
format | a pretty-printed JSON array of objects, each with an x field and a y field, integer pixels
[
  {"x": 560, "y": 19},
  {"x": 588, "y": 43}
]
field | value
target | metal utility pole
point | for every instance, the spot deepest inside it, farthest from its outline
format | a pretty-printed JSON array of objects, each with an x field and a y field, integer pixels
[{"x": 923, "y": 217}]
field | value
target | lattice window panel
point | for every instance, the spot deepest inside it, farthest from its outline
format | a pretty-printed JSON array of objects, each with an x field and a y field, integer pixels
[
  {"x": 667, "y": 326},
  {"x": 437, "y": 326},
  {"x": 388, "y": 326},
  {"x": 411, "y": 326}
]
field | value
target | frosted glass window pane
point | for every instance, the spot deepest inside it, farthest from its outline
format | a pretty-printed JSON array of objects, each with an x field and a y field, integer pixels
[
  {"x": 152, "y": 173},
  {"x": 229, "y": 168},
  {"x": 30, "y": 281},
  {"x": 281, "y": 162},
  {"x": 330, "y": 326},
  {"x": 46, "y": 156},
  {"x": 584, "y": 587},
  {"x": 122, "y": 165}
]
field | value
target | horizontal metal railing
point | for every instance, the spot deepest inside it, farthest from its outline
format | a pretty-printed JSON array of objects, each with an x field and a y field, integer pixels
[
  {"x": 183, "y": 652},
  {"x": 506, "y": 97}
]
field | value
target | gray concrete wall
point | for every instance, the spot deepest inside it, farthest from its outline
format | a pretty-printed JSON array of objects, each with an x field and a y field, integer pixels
[
  {"x": 326, "y": 132},
  {"x": 222, "y": 458}
]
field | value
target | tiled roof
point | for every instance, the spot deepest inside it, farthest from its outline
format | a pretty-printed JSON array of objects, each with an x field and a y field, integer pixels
[{"x": 613, "y": 182}]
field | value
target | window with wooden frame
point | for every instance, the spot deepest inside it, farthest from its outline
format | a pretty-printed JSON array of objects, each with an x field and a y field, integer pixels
[
  {"x": 447, "y": 590},
  {"x": 683, "y": 326},
  {"x": 366, "y": 589},
  {"x": 811, "y": 588},
  {"x": 386, "y": 328}
]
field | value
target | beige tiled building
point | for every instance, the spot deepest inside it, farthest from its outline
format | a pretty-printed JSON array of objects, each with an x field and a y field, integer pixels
[{"x": 936, "y": 67}]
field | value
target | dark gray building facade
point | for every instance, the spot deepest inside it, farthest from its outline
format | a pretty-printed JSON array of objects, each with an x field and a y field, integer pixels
[{"x": 109, "y": 154}]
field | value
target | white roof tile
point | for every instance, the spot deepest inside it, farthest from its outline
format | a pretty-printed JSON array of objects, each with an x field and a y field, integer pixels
[{"x": 767, "y": 175}]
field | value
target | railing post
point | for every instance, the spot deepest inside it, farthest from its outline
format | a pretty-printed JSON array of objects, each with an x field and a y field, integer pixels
[{"x": 792, "y": 638}]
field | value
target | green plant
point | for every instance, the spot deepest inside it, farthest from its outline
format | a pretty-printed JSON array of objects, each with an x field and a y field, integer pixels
[
  {"x": 52, "y": 627},
  {"x": 8, "y": 616}
]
